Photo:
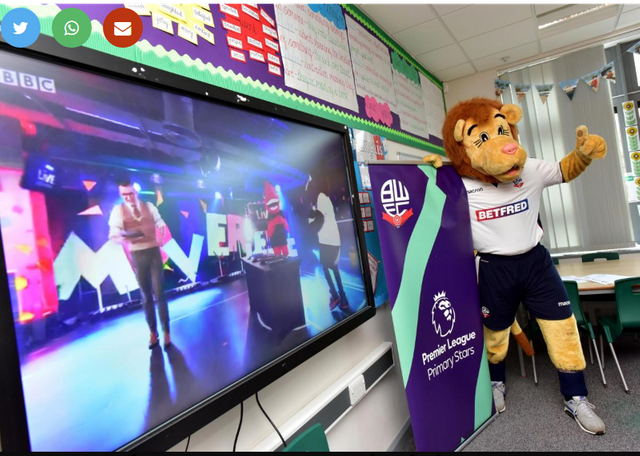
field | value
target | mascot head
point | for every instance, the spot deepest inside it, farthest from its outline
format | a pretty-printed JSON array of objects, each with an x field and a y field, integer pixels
[
  {"x": 271, "y": 199},
  {"x": 481, "y": 140}
]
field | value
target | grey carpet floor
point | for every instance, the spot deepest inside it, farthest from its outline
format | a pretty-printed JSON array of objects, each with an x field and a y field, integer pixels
[{"x": 535, "y": 421}]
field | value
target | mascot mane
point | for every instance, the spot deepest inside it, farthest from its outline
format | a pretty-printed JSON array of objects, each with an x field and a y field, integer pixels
[{"x": 481, "y": 110}]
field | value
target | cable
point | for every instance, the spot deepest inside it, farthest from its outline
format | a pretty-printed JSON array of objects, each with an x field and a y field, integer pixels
[
  {"x": 188, "y": 442},
  {"x": 235, "y": 442},
  {"x": 274, "y": 426}
]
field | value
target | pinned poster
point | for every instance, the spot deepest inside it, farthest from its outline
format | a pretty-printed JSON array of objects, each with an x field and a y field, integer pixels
[
  {"x": 569, "y": 87},
  {"x": 592, "y": 80},
  {"x": 367, "y": 147},
  {"x": 630, "y": 117},
  {"x": 544, "y": 90},
  {"x": 632, "y": 138},
  {"x": 635, "y": 162},
  {"x": 521, "y": 91},
  {"x": 608, "y": 72},
  {"x": 501, "y": 86}
]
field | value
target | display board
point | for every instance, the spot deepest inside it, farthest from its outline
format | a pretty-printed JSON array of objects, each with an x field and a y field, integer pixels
[
  {"x": 425, "y": 234},
  {"x": 331, "y": 61}
]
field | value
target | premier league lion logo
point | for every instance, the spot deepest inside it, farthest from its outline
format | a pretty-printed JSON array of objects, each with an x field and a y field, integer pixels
[{"x": 443, "y": 316}]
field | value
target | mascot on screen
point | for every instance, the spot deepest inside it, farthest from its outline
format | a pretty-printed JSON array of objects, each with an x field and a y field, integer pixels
[
  {"x": 504, "y": 189},
  {"x": 277, "y": 226}
]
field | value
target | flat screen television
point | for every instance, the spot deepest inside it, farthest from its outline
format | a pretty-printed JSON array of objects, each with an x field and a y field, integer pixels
[{"x": 136, "y": 205}]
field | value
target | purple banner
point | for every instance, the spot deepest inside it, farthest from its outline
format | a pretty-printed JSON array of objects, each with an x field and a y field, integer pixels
[{"x": 425, "y": 235}]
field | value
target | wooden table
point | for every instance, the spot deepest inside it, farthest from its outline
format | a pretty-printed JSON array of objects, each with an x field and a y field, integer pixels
[{"x": 629, "y": 267}]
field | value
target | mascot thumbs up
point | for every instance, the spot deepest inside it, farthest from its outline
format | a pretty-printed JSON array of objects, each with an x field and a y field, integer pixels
[{"x": 504, "y": 188}]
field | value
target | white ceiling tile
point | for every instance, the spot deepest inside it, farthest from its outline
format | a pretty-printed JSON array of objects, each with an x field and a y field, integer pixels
[
  {"x": 394, "y": 18},
  {"x": 456, "y": 72},
  {"x": 628, "y": 8},
  {"x": 514, "y": 54},
  {"x": 446, "y": 9},
  {"x": 541, "y": 9},
  {"x": 424, "y": 37},
  {"x": 443, "y": 58},
  {"x": 578, "y": 34},
  {"x": 629, "y": 19},
  {"x": 496, "y": 41},
  {"x": 478, "y": 19}
]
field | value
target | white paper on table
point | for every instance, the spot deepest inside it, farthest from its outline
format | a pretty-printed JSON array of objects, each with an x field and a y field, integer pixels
[
  {"x": 604, "y": 279},
  {"x": 574, "y": 278}
]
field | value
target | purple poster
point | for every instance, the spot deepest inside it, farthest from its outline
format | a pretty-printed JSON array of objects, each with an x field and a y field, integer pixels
[{"x": 425, "y": 235}]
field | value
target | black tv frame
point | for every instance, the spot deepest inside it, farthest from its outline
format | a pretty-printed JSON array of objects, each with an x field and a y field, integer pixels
[{"x": 14, "y": 432}]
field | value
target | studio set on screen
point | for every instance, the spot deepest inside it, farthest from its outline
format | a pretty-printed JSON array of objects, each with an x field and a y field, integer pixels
[{"x": 319, "y": 227}]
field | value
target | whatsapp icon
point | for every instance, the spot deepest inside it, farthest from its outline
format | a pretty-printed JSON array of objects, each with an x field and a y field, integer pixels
[{"x": 71, "y": 27}]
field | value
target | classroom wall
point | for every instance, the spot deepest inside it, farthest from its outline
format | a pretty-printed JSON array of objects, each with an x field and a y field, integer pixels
[
  {"x": 476, "y": 85},
  {"x": 372, "y": 425}
]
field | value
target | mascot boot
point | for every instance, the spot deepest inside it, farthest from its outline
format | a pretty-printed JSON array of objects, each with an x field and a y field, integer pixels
[{"x": 504, "y": 188}]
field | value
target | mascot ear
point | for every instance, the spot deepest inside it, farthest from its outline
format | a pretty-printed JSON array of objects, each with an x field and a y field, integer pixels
[
  {"x": 512, "y": 112},
  {"x": 457, "y": 131}
]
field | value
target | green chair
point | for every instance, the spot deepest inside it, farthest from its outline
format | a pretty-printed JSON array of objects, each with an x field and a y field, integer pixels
[
  {"x": 583, "y": 323},
  {"x": 555, "y": 261},
  {"x": 590, "y": 257},
  {"x": 627, "y": 319},
  {"x": 312, "y": 440}
]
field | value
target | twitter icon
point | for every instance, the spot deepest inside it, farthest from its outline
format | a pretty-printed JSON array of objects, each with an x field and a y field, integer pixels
[{"x": 20, "y": 27}]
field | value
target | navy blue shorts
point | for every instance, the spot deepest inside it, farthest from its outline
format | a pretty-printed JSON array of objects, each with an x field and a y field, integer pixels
[{"x": 530, "y": 278}]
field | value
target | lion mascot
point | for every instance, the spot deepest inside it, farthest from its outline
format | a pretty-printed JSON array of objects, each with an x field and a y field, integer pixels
[{"x": 504, "y": 189}]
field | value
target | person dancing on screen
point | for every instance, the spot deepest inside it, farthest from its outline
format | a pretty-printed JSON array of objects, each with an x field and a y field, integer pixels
[
  {"x": 323, "y": 218},
  {"x": 134, "y": 223}
]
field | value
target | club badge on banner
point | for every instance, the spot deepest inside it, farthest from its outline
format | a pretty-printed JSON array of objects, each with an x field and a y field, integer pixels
[{"x": 425, "y": 235}]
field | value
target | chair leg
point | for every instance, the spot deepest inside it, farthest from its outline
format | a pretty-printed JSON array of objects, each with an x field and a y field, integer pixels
[
  {"x": 602, "y": 351},
  {"x": 533, "y": 361},
  {"x": 590, "y": 351},
  {"x": 595, "y": 348},
  {"x": 523, "y": 372},
  {"x": 624, "y": 382}
]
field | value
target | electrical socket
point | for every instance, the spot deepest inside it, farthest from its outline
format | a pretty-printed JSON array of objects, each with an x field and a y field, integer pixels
[{"x": 357, "y": 389}]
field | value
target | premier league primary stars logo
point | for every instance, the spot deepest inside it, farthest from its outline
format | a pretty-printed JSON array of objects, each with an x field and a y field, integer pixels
[
  {"x": 443, "y": 316},
  {"x": 395, "y": 197}
]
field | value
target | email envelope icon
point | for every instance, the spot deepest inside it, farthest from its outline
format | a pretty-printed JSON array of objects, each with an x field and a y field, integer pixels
[{"x": 122, "y": 28}]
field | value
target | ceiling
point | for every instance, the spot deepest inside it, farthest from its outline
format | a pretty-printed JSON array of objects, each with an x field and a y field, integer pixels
[{"x": 453, "y": 41}]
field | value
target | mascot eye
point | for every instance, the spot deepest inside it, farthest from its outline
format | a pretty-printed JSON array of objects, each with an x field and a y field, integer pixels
[
  {"x": 500, "y": 130},
  {"x": 484, "y": 136}
]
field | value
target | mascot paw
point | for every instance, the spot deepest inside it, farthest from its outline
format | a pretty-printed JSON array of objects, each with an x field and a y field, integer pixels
[
  {"x": 590, "y": 146},
  {"x": 434, "y": 160}
]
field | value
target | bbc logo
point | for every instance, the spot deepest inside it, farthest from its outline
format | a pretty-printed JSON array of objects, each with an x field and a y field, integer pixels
[{"x": 27, "y": 81}]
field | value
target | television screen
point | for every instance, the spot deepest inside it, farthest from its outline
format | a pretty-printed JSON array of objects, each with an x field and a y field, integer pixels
[{"x": 160, "y": 248}]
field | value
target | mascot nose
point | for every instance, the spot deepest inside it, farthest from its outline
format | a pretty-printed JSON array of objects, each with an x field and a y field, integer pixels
[{"x": 509, "y": 149}]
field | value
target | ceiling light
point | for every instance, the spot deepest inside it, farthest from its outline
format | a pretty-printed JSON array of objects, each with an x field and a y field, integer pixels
[{"x": 573, "y": 16}]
